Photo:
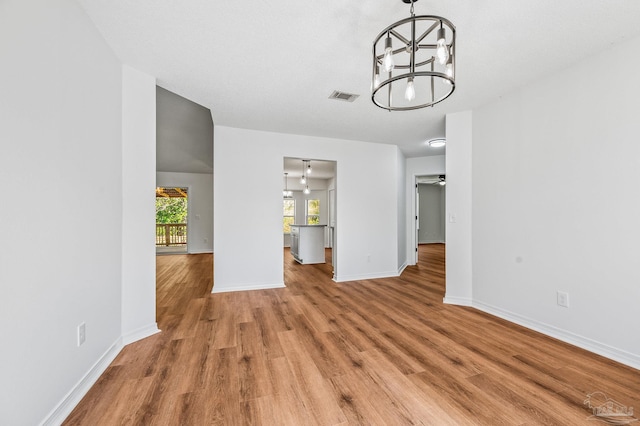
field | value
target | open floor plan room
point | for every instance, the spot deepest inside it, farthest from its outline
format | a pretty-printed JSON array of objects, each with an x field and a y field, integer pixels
[{"x": 383, "y": 352}]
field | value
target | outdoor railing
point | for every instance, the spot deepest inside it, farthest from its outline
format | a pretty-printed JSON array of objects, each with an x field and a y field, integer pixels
[{"x": 171, "y": 234}]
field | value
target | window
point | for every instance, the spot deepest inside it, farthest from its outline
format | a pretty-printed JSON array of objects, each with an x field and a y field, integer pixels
[
  {"x": 313, "y": 212},
  {"x": 289, "y": 213}
]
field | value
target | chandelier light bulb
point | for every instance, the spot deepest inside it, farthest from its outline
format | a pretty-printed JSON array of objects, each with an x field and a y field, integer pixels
[
  {"x": 303, "y": 179},
  {"x": 309, "y": 168},
  {"x": 442, "y": 52},
  {"x": 307, "y": 191},
  {"x": 448, "y": 71},
  {"x": 410, "y": 92},
  {"x": 387, "y": 61},
  {"x": 376, "y": 79}
]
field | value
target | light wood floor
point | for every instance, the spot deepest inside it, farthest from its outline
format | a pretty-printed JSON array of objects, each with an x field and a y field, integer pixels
[{"x": 378, "y": 352}]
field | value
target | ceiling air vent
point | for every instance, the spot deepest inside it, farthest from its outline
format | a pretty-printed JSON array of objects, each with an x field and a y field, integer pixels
[{"x": 342, "y": 96}]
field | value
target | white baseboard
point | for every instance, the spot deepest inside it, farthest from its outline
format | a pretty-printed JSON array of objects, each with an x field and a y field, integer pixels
[
  {"x": 245, "y": 287},
  {"x": 358, "y": 277},
  {"x": 460, "y": 301},
  {"x": 624, "y": 357},
  {"x": 140, "y": 333},
  {"x": 402, "y": 268},
  {"x": 69, "y": 402},
  {"x": 200, "y": 251}
]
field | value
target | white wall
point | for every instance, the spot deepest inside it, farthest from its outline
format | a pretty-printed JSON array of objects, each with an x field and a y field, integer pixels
[
  {"x": 367, "y": 243},
  {"x": 138, "y": 205},
  {"x": 417, "y": 166},
  {"x": 401, "y": 206},
  {"x": 556, "y": 168},
  {"x": 458, "y": 208},
  {"x": 60, "y": 261},
  {"x": 200, "y": 212}
]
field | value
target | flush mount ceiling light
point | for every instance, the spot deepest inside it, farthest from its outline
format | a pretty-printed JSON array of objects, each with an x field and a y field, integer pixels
[
  {"x": 421, "y": 52},
  {"x": 437, "y": 143}
]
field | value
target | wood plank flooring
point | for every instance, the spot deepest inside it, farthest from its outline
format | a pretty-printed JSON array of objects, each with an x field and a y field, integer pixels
[{"x": 371, "y": 352}]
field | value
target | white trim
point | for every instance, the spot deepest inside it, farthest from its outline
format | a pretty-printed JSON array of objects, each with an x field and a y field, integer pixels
[
  {"x": 624, "y": 357},
  {"x": 460, "y": 301},
  {"x": 402, "y": 268},
  {"x": 414, "y": 220},
  {"x": 201, "y": 251},
  {"x": 140, "y": 333},
  {"x": 343, "y": 278},
  {"x": 73, "y": 397},
  {"x": 245, "y": 287}
]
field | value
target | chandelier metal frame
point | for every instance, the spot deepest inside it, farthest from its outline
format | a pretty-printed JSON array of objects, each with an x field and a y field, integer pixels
[{"x": 406, "y": 57}]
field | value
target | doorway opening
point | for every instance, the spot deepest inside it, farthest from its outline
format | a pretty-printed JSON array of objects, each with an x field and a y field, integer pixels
[
  {"x": 430, "y": 223},
  {"x": 309, "y": 216},
  {"x": 171, "y": 220}
]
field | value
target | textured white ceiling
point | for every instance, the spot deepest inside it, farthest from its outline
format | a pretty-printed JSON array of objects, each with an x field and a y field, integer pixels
[{"x": 271, "y": 64}]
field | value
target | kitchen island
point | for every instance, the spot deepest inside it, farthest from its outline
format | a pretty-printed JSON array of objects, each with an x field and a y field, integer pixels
[{"x": 307, "y": 243}]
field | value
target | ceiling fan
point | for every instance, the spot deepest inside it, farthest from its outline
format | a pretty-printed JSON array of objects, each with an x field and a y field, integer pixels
[{"x": 441, "y": 181}]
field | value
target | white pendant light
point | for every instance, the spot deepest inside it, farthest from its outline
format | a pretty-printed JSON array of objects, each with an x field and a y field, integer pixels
[
  {"x": 306, "y": 190},
  {"x": 303, "y": 178},
  {"x": 308, "y": 167},
  {"x": 285, "y": 192}
]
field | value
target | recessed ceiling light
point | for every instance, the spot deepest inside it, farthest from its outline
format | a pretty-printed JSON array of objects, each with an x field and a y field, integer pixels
[{"x": 437, "y": 143}]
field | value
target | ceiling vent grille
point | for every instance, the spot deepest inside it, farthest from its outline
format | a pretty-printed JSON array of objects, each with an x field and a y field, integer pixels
[{"x": 343, "y": 96}]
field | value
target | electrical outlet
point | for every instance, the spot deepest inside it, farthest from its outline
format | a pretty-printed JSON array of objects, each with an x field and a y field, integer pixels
[
  {"x": 563, "y": 299},
  {"x": 82, "y": 334}
]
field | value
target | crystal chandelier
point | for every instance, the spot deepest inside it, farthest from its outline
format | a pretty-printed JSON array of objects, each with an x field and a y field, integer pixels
[{"x": 414, "y": 63}]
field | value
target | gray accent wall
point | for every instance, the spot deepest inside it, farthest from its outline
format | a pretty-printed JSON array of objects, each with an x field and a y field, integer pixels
[
  {"x": 184, "y": 135},
  {"x": 432, "y": 214}
]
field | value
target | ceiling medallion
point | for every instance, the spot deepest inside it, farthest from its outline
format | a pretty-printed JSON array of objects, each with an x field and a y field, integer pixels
[{"x": 421, "y": 52}]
